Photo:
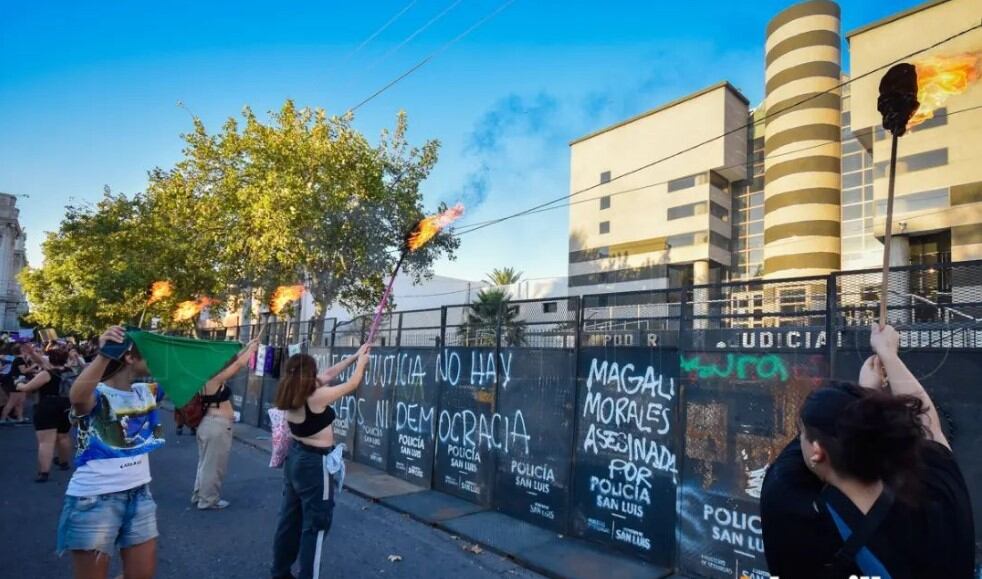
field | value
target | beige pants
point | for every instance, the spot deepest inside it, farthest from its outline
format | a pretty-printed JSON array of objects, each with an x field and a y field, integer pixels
[{"x": 214, "y": 446}]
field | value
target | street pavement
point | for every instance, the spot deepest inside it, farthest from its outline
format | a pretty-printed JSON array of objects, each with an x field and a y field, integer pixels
[{"x": 235, "y": 542}]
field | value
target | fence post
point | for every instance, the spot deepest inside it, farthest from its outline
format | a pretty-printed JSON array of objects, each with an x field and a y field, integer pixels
[
  {"x": 682, "y": 334},
  {"x": 399, "y": 332},
  {"x": 443, "y": 327},
  {"x": 334, "y": 335},
  {"x": 831, "y": 313}
]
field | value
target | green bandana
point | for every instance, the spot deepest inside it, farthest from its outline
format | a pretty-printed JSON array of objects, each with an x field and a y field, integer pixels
[{"x": 182, "y": 365}]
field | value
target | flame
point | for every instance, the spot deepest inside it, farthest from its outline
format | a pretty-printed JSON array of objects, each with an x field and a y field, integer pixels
[
  {"x": 160, "y": 290},
  {"x": 189, "y": 309},
  {"x": 428, "y": 227},
  {"x": 284, "y": 295},
  {"x": 939, "y": 78}
]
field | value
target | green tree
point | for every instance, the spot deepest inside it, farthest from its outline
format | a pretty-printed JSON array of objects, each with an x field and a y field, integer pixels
[
  {"x": 482, "y": 321},
  {"x": 302, "y": 198},
  {"x": 504, "y": 276}
]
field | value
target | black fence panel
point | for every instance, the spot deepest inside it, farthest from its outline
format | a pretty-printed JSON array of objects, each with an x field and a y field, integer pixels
[
  {"x": 238, "y": 385},
  {"x": 345, "y": 408},
  {"x": 626, "y": 456},
  {"x": 740, "y": 411},
  {"x": 374, "y": 408},
  {"x": 532, "y": 435},
  {"x": 415, "y": 416},
  {"x": 464, "y": 463}
]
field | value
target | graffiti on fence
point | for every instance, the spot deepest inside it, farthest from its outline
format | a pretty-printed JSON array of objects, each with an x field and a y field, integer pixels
[
  {"x": 741, "y": 409},
  {"x": 532, "y": 478},
  {"x": 626, "y": 458}
]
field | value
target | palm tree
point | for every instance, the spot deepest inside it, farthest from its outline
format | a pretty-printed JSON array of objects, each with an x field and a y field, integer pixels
[
  {"x": 482, "y": 320},
  {"x": 504, "y": 276}
]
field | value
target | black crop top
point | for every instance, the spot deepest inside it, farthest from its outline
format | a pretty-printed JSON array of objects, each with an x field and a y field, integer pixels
[
  {"x": 223, "y": 394},
  {"x": 312, "y": 423}
]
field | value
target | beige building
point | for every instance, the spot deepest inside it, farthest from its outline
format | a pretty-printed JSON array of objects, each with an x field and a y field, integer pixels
[
  {"x": 664, "y": 223},
  {"x": 798, "y": 185},
  {"x": 12, "y": 260}
]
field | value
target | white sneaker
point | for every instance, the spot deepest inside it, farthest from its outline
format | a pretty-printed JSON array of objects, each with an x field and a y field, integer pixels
[{"x": 215, "y": 507}]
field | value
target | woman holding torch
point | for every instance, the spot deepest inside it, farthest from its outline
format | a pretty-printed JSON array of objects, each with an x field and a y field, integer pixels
[
  {"x": 308, "y": 490},
  {"x": 870, "y": 487}
]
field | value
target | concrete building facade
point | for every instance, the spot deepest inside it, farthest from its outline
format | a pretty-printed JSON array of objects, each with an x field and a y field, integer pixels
[
  {"x": 12, "y": 260},
  {"x": 798, "y": 185}
]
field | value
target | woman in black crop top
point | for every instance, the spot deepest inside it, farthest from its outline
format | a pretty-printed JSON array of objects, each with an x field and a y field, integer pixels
[
  {"x": 51, "y": 422},
  {"x": 214, "y": 434},
  {"x": 308, "y": 494}
]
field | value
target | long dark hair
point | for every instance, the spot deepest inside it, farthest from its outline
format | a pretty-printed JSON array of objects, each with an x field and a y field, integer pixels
[
  {"x": 869, "y": 435},
  {"x": 298, "y": 382}
]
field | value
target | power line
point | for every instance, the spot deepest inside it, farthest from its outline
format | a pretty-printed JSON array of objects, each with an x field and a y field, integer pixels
[
  {"x": 375, "y": 34},
  {"x": 433, "y": 55},
  {"x": 415, "y": 33},
  {"x": 481, "y": 224},
  {"x": 768, "y": 115}
]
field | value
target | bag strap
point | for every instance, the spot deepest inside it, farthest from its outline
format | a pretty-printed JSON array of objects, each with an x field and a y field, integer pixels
[{"x": 846, "y": 556}]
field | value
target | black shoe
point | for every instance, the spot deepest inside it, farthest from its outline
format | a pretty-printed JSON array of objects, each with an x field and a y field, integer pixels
[
  {"x": 42, "y": 477},
  {"x": 194, "y": 432},
  {"x": 180, "y": 430},
  {"x": 61, "y": 465}
]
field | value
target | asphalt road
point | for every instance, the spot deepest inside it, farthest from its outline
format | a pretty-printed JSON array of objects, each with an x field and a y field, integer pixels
[{"x": 236, "y": 542}]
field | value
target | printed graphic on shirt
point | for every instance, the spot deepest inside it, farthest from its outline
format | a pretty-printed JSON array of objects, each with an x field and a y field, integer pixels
[{"x": 122, "y": 424}]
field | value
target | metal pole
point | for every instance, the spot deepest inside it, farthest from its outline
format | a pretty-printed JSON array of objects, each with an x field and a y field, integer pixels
[
  {"x": 443, "y": 327},
  {"x": 888, "y": 234},
  {"x": 831, "y": 313}
]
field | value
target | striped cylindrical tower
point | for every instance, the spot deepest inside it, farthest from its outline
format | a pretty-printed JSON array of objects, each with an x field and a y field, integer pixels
[{"x": 802, "y": 178}]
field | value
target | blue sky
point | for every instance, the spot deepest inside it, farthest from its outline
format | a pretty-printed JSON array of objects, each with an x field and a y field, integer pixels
[{"x": 89, "y": 90}]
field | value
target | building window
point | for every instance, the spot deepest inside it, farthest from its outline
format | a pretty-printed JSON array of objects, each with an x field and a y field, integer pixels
[
  {"x": 852, "y": 163},
  {"x": 604, "y": 227},
  {"x": 689, "y": 210},
  {"x": 917, "y": 162},
  {"x": 550, "y": 307},
  {"x": 717, "y": 180},
  {"x": 686, "y": 182},
  {"x": 605, "y": 177},
  {"x": 605, "y": 202},
  {"x": 933, "y": 199},
  {"x": 718, "y": 211}
]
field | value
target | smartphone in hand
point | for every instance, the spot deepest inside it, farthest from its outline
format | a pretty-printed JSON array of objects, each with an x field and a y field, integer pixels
[{"x": 115, "y": 350}]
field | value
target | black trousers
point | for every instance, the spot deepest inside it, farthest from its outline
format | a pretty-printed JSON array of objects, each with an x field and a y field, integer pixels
[{"x": 305, "y": 514}]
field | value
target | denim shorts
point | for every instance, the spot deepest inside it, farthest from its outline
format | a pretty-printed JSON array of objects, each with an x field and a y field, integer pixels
[{"x": 106, "y": 522}]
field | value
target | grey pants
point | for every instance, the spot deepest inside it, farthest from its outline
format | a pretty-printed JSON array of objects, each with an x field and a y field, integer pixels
[{"x": 214, "y": 445}]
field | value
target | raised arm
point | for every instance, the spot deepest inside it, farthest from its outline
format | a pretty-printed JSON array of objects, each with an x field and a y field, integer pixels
[
  {"x": 326, "y": 395},
  {"x": 334, "y": 371},
  {"x": 82, "y": 394},
  {"x": 241, "y": 360},
  {"x": 40, "y": 380},
  {"x": 30, "y": 353},
  {"x": 885, "y": 342}
]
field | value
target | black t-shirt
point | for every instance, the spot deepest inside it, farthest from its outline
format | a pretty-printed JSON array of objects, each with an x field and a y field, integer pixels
[{"x": 933, "y": 538}]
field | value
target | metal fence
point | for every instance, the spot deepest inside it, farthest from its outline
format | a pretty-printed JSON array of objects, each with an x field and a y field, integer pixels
[{"x": 934, "y": 306}]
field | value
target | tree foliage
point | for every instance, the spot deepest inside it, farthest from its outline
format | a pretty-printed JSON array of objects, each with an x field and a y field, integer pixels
[
  {"x": 490, "y": 308},
  {"x": 504, "y": 276},
  {"x": 304, "y": 198}
]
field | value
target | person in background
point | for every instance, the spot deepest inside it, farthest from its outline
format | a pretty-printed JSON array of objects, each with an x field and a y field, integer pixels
[
  {"x": 75, "y": 360},
  {"x": 108, "y": 504},
  {"x": 181, "y": 420},
  {"x": 51, "y": 415},
  {"x": 870, "y": 487},
  {"x": 20, "y": 369},
  {"x": 214, "y": 434},
  {"x": 308, "y": 490}
]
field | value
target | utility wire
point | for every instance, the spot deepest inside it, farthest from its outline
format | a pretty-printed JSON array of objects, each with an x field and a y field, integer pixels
[
  {"x": 415, "y": 33},
  {"x": 470, "y": 228},
  {"x": 768, "y": 115},
  {"x": 375, "y": 34},
  {"x": 432, "y": 55}
]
